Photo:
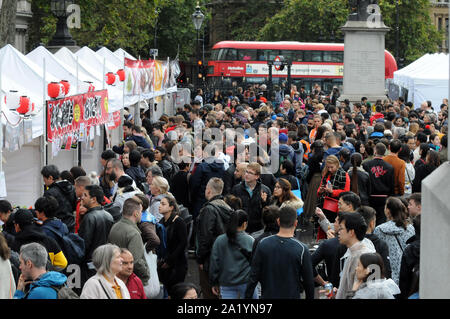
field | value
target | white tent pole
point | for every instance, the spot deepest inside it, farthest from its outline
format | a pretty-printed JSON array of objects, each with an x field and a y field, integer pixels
[
  {"x": 124, "y": 82},
  {"x": 78, "y": 80},
  {"x": 44, "y": 143},
  {"x": 103, "y": 82}
]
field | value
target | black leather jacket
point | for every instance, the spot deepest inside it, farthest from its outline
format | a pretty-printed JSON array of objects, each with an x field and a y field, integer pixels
[
  {"x": 212, "y": 222},
  {"x": 94, "y": 229}
]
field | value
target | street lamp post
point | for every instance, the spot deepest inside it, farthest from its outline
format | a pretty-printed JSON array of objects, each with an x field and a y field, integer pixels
[
  {"x": 397, "y": 34},
  {"x": 62, "y": 36},
  {"x": 197, "y": 19}
]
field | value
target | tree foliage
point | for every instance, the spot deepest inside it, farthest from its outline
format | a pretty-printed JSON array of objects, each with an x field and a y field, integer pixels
[
  {"x": 321, "y": 20},
  {"x": 243, "y": 22},
  {"x": 127, "y": 24},
  {"x": 417, "y": 34},
  {"x": 306, "y": 21}
]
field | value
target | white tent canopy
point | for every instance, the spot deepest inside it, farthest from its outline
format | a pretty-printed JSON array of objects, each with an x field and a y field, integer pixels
[
  {"x": 60, "y": 69},
  {"x": 111, "y": 57},
  {"x": 122, "y": 53},
  {"x": 19, "y": 73},
  {"x": 426, "y": 79},
  {"x": 92, "y": 64}
]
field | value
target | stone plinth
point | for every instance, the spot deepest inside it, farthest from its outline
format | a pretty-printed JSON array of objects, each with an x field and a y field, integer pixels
[
  {"x": 364, "y": 61},
  {"x": 435, "y": 235},
  {"x": 54, "y": 49}
]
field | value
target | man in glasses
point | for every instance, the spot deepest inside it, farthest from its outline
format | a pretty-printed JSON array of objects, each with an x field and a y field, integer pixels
[{"x": 254, "y": 195}]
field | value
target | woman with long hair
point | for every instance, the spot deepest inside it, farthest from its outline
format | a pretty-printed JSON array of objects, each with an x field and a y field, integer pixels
[
  {"x": 410, "y": 172},
  {"x": 313, "y": 179},
  {"x": 230, "y": 259},
  {"x": 395, "y": 232},
  {"x": 172, "y": 267},
  {"x": 432, "y": 162},
  {"x": 359, "y": 179},
  {"x": 283, "y": 196},
  {"x": 7, "y": 282},
  {"x": 334, "y": 182}
]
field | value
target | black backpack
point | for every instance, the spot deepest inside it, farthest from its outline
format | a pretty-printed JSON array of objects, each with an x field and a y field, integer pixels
[
  {"x": 114, "y": 210},
  {"x": 415, "y": 276},
  {"x": 72, "y": 246}
]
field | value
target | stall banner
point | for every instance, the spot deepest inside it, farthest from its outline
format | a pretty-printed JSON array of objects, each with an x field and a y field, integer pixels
[
  {"x": 149, "y": 77},
  {"x": 66, "y": 115}
]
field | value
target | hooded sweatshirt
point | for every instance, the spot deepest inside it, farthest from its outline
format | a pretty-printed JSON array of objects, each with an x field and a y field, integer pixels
[
  {"x": 42, "y": 287},
  {"x": 64, "y": 193},
  {"x": 395, "y": 237}
]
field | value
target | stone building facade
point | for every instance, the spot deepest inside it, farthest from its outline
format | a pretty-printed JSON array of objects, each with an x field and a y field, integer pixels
[
  {"x": 23, "y": 18},
  {"x": 439, "y": 17}
]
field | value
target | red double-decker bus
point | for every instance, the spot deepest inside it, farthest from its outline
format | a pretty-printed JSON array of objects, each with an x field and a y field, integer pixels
[{"x": 245, "y": 62}]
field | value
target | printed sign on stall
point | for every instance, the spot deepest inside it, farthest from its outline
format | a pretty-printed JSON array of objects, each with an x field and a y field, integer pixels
[{"x": 68, "y": 115}]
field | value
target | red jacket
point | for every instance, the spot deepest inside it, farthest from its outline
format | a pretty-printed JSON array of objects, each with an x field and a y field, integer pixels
[
  {"x": 375, "y": 117},
  {"x": 135, "y": 287}
]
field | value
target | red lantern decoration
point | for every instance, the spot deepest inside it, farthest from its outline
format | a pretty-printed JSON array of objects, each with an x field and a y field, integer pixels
[
  {"x": 55, "y": 90},
  {"x": 121, "y": 74},
  {"x": 66, "y": 85},
  {"x": 25, "y": 105},
  {"x": 110, "y": 78}
]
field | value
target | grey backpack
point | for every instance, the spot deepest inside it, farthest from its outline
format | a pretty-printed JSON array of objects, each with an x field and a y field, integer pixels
[{"x": 65, "y": 292}]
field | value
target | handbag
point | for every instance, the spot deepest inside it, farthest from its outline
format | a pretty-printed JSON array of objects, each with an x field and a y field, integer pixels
[
  {"x": 298, "y": 194},
  {"x": 152, "y": 288},
  {"x": 330, "y": 203}
]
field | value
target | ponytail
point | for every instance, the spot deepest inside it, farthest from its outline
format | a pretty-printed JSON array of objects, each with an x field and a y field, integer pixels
[
  {"x": 237, "y": 219},
  {"x": 356, "y": 161}
]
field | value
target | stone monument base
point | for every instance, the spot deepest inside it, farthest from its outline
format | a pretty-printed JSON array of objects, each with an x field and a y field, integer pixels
[
  {"x": 364, "y": 61},
  {"x": 357, "y": 98}
]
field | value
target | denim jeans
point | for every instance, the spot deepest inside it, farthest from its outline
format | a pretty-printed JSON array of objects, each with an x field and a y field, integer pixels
[{"x": 235, "y": 292}]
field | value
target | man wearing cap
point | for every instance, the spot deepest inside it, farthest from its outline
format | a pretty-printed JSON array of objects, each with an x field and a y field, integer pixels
[{"x": 27, "y": 231}]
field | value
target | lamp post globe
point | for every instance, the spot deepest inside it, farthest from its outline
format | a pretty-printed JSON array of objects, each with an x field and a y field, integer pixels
[
  {"x": 62, "y": 36},
  {"x": 198, "y": 17}
]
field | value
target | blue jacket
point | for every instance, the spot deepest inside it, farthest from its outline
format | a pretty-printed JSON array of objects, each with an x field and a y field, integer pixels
[{"x": 42, "y": 287}]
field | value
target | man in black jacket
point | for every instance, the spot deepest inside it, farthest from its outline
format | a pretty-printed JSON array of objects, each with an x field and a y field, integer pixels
[
  {"x": 281, "y": 263},
  {"x": 254, "y": 195},
  {"x": 210, "y": 167},
  {"x": 212, "y": 222},
  {"x": 64, "y": 192},
  {"x": 94, "y": 228},
  {"x": 381, "y": 176}
]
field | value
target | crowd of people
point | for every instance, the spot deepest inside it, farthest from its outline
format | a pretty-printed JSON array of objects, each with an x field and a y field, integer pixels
[{"x": 350, "y": 172}]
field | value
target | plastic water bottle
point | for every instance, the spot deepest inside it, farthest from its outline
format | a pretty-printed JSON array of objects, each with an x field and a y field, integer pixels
[{"x": 328, "y": 289}]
